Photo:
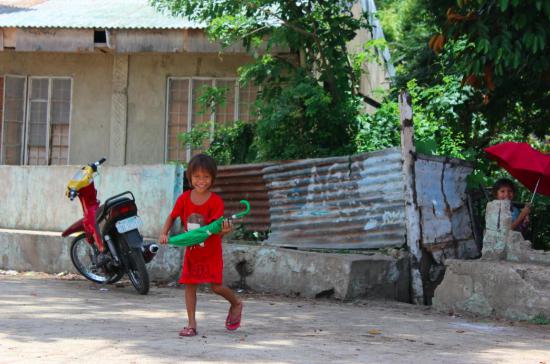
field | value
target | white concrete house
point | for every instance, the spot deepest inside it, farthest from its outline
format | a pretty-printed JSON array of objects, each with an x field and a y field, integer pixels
[{"x": 85, "y": 79}]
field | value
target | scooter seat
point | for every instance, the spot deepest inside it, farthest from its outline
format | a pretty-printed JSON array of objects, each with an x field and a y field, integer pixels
[{"x": 103, "y": 208}]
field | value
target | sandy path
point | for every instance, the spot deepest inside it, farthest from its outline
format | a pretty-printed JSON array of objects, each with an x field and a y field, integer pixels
[{"x": 48, "y": 320}]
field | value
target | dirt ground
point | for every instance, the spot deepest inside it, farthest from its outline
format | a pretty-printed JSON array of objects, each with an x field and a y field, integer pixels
[{"x": 48, "y": 319}]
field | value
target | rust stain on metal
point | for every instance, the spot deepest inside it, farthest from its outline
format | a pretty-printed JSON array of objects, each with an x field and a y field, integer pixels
[
  {"x": 343, "y": 202},
  {"x": 245, "y": 182}
]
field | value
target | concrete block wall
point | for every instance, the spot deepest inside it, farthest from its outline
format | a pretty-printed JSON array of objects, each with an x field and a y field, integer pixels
[
  {"x": 260, "y": 268},
  {"x": 516, "y": 291},
  {"x": 33, "y": 198}
]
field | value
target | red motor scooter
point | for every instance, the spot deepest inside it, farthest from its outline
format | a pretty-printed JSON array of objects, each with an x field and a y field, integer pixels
[{"x": 109, "y": 244}]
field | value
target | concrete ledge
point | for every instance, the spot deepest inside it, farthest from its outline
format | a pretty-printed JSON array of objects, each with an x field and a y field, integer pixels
[
  {"x": 259, "y": 268},
  {"x": 516, "y": 291},
  {"x": 45, "y": 251},
  {"x": 311, "y": 274}
]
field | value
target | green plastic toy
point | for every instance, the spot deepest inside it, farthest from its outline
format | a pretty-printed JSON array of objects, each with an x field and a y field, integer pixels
[{"x": 199, "y": 235}]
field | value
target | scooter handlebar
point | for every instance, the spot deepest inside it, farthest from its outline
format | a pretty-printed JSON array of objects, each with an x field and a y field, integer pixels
[{"x": 97, "y": 164}]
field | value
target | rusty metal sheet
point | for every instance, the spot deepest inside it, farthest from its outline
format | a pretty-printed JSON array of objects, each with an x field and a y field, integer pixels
[
  {"x": 135, "y": 41},
  {"x": 55, "y": 40},
  {"x": 8, "y": 37},
  {"x": 338, "y": 203},
  {"x": 196, "y": 41},
  {"x": 238, "y": 182},
  {"x": 441, "y": 198}
]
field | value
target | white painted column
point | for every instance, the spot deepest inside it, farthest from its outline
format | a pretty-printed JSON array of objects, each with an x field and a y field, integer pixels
[
  {"x": 412, "y": 212},
  {"x": 119, "y": 111}
]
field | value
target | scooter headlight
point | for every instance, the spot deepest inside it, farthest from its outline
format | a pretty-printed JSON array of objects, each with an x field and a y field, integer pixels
[{"x": 71, "y": 193}]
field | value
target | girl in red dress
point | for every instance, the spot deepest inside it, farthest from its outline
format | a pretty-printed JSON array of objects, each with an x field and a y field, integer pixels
[{"x": 202, "y": 263}]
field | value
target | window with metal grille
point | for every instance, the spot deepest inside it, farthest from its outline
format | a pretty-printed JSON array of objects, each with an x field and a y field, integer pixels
[
  {"x": 36, "y": 120},
  {"x": 184, "y": 111}
]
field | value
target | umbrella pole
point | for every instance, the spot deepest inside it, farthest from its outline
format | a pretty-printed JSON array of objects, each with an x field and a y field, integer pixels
[{"x": 536, "y": 187}]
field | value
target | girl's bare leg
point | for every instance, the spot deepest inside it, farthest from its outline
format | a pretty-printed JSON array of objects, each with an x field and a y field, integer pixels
[
  {"x": 191, "y": 304},
  {"x": 229, "y": 295}
]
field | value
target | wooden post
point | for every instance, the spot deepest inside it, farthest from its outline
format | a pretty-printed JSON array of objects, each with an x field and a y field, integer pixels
[{"x": 412, "y": 212}]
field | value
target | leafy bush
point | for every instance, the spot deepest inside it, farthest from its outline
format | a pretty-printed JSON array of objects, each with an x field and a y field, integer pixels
[
  {"x": 304, "y": 121},
  {"x": 379, "y": 130},
  {"x": 309, "y": 101},
  {"x": 229, "y": 144}
]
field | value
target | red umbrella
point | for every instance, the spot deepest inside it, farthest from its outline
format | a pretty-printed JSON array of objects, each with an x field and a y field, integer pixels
[{"x": 527, "y": 165}]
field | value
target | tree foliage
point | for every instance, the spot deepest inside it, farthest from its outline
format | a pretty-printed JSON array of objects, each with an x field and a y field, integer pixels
[
  {"x": 507, "y": 58},
  {"x": 308, "y": 105},
  {"x": 479, "y": 74},
  {"x": 228, "y": 144},
  {"x": 498, "y": 48}
]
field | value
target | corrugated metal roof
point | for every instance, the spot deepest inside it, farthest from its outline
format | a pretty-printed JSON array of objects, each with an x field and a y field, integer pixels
[
  {"x": 108, "y": 14},
  {"x": 345, "y": 202}
]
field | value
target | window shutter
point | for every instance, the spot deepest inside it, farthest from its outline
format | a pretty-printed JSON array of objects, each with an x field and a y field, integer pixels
[
  {"x": 178, "y": 118},
  {"x": 60, "y": 115},
  {"x": 247, "y": 98},
  {"x": 184, "y": 111},
  {"x": 225, "y": 114},
  {"x": 13, "y": 120},
  {"x": 37, "y": 134}
]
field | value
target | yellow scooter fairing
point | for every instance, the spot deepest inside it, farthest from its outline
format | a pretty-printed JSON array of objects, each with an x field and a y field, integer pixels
[{"x": 81, "y": 179}]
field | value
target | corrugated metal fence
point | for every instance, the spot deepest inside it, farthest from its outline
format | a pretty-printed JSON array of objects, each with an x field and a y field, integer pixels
[
  {"x": 351, "y": 202},
  {"x": 347, "y": 202},
  {"x": 238, "y": 182},
  {"x": 441, "y": 197}
]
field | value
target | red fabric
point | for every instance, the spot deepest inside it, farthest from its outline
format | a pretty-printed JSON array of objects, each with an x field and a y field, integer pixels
[
  {"x": 202, "y": 264},
  {"x": 523, "y": 162}
]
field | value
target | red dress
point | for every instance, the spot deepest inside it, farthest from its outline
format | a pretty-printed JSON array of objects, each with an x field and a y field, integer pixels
[{"x": 202, "y": 263}]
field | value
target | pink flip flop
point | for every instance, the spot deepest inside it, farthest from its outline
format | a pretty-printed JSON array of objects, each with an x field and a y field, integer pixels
[
  {"x": 233, "y": 322},
  {"x": 188, "y": 331}
]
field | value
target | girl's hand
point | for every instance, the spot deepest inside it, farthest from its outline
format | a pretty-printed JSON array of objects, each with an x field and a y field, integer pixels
[
  {"x": 526, "y": 210},
  {"x": 163, "y": 239},
  {"x": 227, "y": 226}
]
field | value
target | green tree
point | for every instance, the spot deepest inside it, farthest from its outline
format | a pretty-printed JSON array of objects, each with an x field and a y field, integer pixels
[
  {"x": 479, "y": 73},
  {"x": 497, "y": 47},
  {"x": 507, "y": 58},
  {"x": 309, "y": 101}
]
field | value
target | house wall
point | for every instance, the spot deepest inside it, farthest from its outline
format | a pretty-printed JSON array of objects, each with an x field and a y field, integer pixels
[
  {"x": 33, "y": 197},
  {"x": 91, "y": 101},
  {"x": 374, "y": 77},
  {"x": 92, "y": 75},
  {"x": 147, "y": 82}
]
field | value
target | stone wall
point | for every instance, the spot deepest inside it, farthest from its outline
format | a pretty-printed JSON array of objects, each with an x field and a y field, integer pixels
[
  {"x": 516, "y": 291},
  {"x": 511, "y": 280}
]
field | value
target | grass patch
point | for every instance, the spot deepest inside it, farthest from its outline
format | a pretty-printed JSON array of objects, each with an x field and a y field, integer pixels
[{"x": 540, "y": 319}]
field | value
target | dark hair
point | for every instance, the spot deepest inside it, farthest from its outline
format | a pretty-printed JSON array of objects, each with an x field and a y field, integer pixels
[
  {"x": 204, "y": 162},
  {"x": 503, "y": 182}
]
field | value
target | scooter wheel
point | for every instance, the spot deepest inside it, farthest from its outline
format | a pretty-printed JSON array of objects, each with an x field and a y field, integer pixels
[{"x": 84, "y": 255}]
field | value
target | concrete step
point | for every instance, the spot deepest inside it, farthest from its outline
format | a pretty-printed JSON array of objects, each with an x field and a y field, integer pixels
[
  {"x": 517, "y": 291},
  {"x": 259, "y": 268}
]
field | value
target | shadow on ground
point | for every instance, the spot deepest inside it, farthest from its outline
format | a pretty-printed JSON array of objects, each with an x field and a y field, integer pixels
[{"x": 58, "y": 320}]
